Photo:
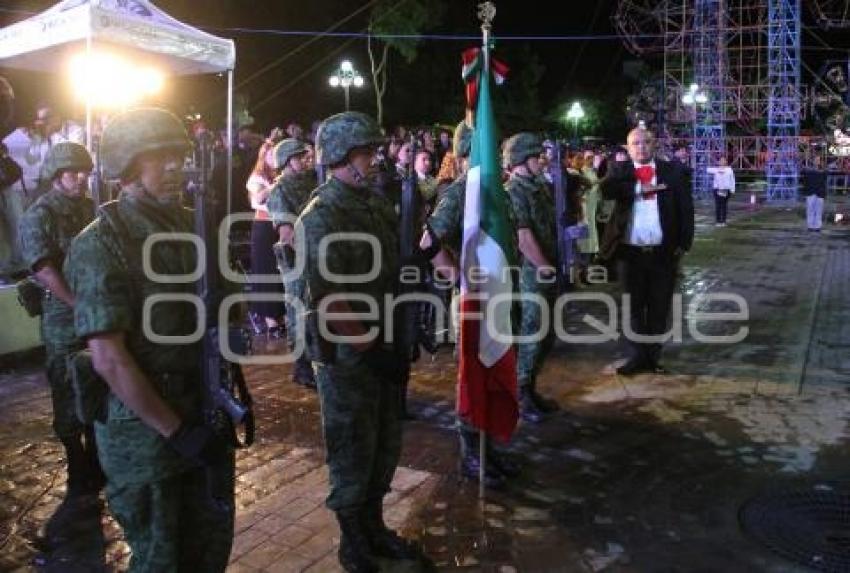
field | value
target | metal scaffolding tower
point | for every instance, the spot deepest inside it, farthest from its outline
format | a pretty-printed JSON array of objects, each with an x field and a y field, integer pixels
[
  {"x": 783, "y": 119},
  {"x": 709, "y": 57}
]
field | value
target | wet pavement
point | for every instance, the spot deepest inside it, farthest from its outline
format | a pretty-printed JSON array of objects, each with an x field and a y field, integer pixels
[{"x": 647, "y": 473}]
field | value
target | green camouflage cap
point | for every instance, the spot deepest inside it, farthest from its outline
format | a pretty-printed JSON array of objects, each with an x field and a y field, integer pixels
[
  {"x": 285, "y": 149},
  {"x": 519, "y": 147},
  {"x": 341, "y": 133},
  {"x": 462, "y": 141},
  {"x": 65, "y": 156},
  {"x": 138, "y": 131}
]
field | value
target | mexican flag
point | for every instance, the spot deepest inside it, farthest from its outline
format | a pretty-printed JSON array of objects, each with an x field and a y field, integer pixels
[{"x": 487, "y": 388}]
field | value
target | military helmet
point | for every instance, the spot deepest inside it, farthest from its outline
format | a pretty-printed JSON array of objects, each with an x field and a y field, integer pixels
[
  {"x": 286, "y": 149},
  {"x": 462, "y": 140},
  {"x": 341, "y": 133},
  {"x": 519, "y": 147},
  {"x": 65, "y": 155},
  {"x": 138, "y": 131}
]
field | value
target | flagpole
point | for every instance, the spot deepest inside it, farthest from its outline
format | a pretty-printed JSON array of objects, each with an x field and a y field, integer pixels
[{"x": 486, "y": 13}]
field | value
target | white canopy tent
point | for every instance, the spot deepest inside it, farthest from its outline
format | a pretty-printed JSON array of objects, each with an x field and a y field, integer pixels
[{"x": 45, "y": 42}]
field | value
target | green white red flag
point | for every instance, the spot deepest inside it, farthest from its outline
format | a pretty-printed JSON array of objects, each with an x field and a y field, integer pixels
[
  {"x": 473, "y": 61},
  {"x": 487, "y": 389}
]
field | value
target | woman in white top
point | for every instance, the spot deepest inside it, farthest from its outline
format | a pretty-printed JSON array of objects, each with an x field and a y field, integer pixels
[
  {"x": 263, "y": 236},
  {"x": 724, "y": 187}
]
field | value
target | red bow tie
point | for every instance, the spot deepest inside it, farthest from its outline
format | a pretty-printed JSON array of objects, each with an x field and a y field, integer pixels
[{"x": 645, "y": 173}]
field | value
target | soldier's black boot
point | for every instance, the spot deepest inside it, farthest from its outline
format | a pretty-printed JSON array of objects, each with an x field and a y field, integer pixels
[
  {"x": 470, "y": 462},
  {"x": 503, "y": 464},
  {"x": 78, "y": 466},
  {"x": 527, "y": 407},
  {"x": 384, "y": 541},
  {"x": 545, "y": 405},
  {"x": 95, "y": 478},
  {"x": 302, "y": 373},
  {"x": 355, "y": 552},
  {"x": 402, "y": 403},
  {"x": 79, "y": 501}
]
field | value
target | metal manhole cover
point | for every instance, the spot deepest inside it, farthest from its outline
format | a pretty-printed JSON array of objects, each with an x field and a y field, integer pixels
[{"x": 809, "y": 526}]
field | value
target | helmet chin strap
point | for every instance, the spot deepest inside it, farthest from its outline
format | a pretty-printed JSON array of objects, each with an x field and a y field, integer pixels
[{"x": 358, "y": 177}]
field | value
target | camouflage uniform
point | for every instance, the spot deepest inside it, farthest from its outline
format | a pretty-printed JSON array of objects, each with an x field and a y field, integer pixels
[
  {"x": 360, "y": 417},
  {"x": 534, "y": 209},
  {"x": 287, "y": 199},
  {"x": 358, "y": 390},
  {"x": 45, "y": 233},
  {"x": 176, "y": 516}
]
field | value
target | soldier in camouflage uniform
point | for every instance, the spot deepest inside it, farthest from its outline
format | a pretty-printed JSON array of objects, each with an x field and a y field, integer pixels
[
  {"x": 358, "y": 380},
  {"x": 445, "y": 228},
  {"x": 534, "y": 210},
  {"x": 169, "y": 475},
  {"x": 287, "y": 199},
  {"x": 45, "y": 232}
]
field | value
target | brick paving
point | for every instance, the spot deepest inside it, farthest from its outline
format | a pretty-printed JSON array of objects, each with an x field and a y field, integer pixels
[{"x": 638, "y": 474}]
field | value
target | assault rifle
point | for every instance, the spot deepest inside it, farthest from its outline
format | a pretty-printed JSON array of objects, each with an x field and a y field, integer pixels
[
  {"x": 97, "y": 185},
  {"x": 569, "y": 228},
  {"x": 221, "y": 378}
]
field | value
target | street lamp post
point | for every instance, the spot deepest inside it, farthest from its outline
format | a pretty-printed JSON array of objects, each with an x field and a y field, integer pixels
[
  {"x": 345, "y": 77},
  {"x": 575, "y": 113}
]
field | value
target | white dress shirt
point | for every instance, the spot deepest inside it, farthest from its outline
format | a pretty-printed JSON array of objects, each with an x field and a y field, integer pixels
[
  {"x": 645, "y": 226},
  {"x": 724, "y": 178}
]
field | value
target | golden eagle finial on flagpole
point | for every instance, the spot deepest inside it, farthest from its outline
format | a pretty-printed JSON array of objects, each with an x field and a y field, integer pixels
[{"x": 486, "y": 13}]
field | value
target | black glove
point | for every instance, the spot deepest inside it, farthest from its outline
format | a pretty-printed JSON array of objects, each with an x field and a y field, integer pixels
[
  {"x": 385, "y": 363},
  {"x": 198, "y": 443}
]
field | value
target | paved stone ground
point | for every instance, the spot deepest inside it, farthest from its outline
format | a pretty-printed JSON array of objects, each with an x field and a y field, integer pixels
[{"x": 634, "y": 474}]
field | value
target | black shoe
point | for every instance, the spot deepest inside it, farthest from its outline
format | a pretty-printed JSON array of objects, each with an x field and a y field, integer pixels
[
  {"x": 632, "y": 367},
  {"x": 75, "y": 512},
  {"x": 355, "y": 552},
  {"x": 501, "y": 463},
  {"x": 545, "y": 405},
  {"x": 384, "y": 541},
  {"x": 470, "y": 467},
  {"x": 527, "y": 407}
]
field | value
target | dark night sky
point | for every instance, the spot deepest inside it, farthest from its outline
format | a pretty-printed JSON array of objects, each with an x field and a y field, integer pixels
[
  {"x": 309, "y": 96},
  {"x": 590, "y": 70}
]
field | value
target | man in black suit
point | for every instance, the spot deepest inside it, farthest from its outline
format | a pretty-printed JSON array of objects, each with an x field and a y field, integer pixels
[{"x": 651, "y": 227}]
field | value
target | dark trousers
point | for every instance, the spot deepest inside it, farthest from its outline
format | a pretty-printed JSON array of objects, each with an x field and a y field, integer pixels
[
  {"x": 720, "y": 207},
  {"x": 648, "y": 276},
  {"x": 263, "y": 262}
]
